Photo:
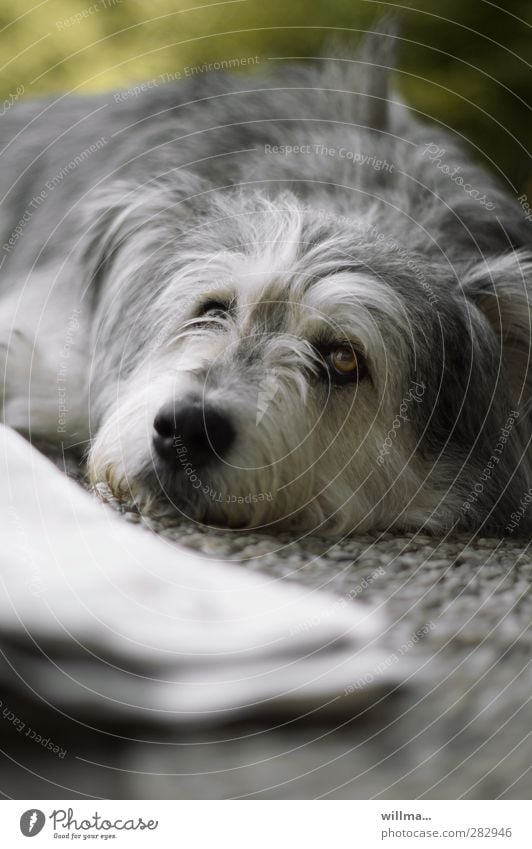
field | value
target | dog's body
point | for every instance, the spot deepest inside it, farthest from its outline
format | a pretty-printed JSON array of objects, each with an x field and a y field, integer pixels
[{"x": 268, "y": 301}]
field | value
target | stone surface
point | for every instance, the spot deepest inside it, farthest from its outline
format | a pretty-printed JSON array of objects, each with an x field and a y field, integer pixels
[{"x": 460, "y": 730}]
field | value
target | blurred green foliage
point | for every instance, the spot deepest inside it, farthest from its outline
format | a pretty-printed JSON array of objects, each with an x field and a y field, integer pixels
[{"x": 466, "y": 63}]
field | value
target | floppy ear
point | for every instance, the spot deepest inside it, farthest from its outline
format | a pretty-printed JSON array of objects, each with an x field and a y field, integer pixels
[
  {"x": 501, "y": 288},
  {"x": 151, "y": 215},
  {"x": 108, "y": 217}
]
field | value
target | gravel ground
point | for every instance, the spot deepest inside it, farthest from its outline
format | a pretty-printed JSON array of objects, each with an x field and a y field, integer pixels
[
  {"x": 458, "y": 730},
  {"x": 463, "y": 729}
]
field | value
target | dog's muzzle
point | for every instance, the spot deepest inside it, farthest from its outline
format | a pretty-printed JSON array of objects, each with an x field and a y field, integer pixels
[{"x": 192, "y": 430}]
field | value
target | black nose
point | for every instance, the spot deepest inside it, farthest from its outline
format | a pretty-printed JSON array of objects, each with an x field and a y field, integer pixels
[{"x": 193, "y": 432}]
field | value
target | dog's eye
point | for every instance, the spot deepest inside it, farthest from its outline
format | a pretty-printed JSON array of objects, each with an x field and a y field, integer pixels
[
  {"x": 345, "y": 365},
  {"x": 213, "y": 309},
  {"x": 344, "y": 360}
]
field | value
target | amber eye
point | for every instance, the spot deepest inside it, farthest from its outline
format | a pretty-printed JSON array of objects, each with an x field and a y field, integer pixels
[
  {"x": 344, "y": 365},
  {"x": 344, "y": 360}
]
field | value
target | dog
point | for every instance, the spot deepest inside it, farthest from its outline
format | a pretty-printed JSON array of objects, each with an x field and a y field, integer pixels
[{"x": 279, "y": 301}]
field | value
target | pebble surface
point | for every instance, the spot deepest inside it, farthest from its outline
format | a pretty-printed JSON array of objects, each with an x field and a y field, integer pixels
[{"x": 461, "y": 605}]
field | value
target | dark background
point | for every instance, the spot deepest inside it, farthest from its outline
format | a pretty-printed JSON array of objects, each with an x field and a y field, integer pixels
[{"x": 466, "y": 63}]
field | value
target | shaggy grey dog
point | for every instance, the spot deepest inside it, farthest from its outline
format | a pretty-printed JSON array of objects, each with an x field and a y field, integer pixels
[{"x": 276, "y": 300}]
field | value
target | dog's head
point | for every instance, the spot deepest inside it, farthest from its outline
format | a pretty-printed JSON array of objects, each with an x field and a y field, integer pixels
[{"x": 291, "y": 367}]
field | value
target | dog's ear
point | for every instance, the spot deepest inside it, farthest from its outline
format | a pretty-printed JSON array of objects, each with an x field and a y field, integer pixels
[
  {"x": 104, "y": 217},
  {"x": 376, "y": 59},
  {"x": 123, "y": 213},
  {"x": 501, "y": 288},
  {"x": 365, "y": 72}
]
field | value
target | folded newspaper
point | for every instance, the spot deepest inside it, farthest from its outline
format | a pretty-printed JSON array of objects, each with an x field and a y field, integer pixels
[{"x": 102, "y": 618}]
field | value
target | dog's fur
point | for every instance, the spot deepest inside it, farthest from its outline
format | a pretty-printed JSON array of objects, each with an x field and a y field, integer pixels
[{"x": 360, "y": 235}]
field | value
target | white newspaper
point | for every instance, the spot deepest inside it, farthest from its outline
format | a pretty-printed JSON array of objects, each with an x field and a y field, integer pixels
[{"x": 102, "y": 618}]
